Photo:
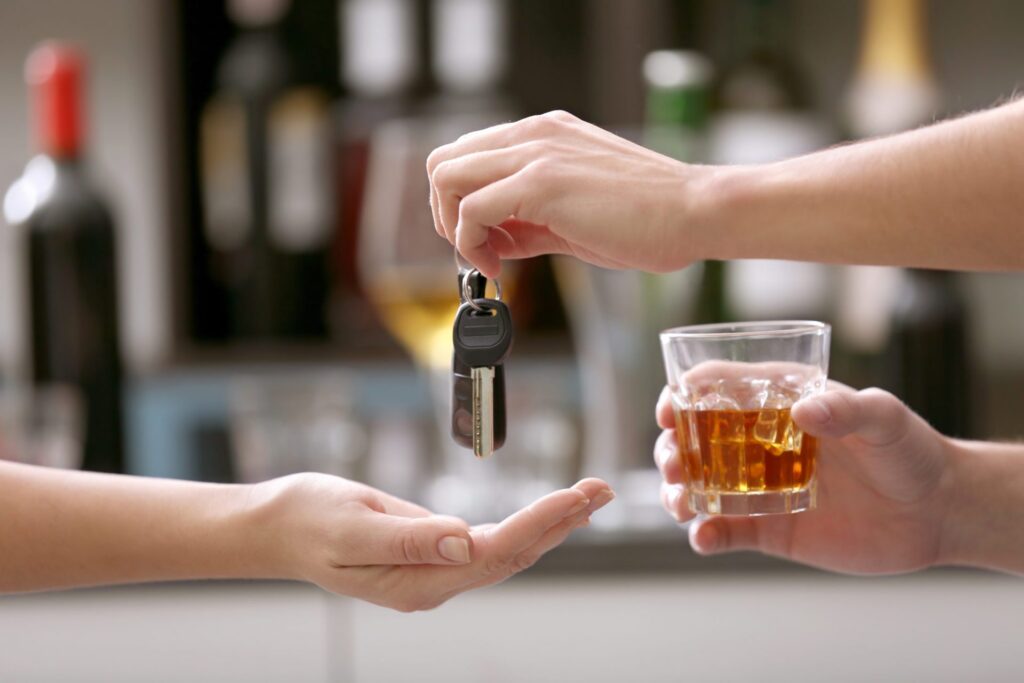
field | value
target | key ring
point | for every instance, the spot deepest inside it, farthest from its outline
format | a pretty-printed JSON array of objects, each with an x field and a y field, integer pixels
[{"x": 467, "y": 295}]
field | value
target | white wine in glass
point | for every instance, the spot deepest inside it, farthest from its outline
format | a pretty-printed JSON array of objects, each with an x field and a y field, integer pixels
[{"x": 411, "y": 278}]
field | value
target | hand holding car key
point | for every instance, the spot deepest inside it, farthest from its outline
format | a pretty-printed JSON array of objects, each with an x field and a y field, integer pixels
[{"x": 482, "y": 337}]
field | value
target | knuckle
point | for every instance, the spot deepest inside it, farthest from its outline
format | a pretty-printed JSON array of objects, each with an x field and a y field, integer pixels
[
  {"x": 405, "y": 605},
  {"x": 418, "y": 601},
  {"x": 442, "y": 173},
  {"x": 887, "y": 412},
  {"x": 882, "y": 404},
  {"x": 408, "y": 549},
  {"x": 496, "y": 566},
  {"x": 536, "y": 149},
  {"x": 522, "y": 562},
  {"x": 472, "y": 208},
  {"x": 428, "y": 604},
  {"x": 434, "y": 159},
  {"x": 465, "y": 137},
  {"x": 373, "y": 501},
  {"x": 879, "y": 397},
  {"x": 540, "y": 125},
  {"x": 469, "y": 208},
  {"x": 539, "y": 173},
  {"x": 561, "y": 115}
]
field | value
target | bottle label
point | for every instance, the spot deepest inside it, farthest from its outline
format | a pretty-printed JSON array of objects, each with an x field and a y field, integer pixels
[
  {"x": 224, "y": 163},
  {"x": 299, "y": 170}
]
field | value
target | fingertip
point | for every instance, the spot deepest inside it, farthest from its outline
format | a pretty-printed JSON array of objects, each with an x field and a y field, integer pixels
[
  {"x": 591, "y": 484},
  {"x": 812, "y": 412},
  {"x": 489, "y": 264},
  {"x": 663, "y": 410},
  {"x": 602, "y": 498},
  {"x": 483, "y": 258},
  {"x": 666, "y": 457},
  {"x": 705, "y": 537},
  {"x": 832, "y": 413},
  {"x": 670, "y": 495}
]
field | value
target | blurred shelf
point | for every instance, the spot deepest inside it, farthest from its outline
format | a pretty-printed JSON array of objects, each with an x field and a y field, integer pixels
[
  {"x": 229, "y": 356},
  {"x": 595, "y": 552},
  {"x": 624, "y": 551}
]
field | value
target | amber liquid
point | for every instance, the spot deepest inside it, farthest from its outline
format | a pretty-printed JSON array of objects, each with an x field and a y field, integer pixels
[
  {"x": 744, "y": 451},
  {"x": 420, "y": 319},
  {"x": 420, "y": 314}
]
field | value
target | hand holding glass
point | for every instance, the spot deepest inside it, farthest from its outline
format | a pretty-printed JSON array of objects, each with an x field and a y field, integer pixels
[{"x": 732, "y": 387}]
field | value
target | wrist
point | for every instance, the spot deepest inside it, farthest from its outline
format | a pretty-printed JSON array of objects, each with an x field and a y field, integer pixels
[
  {"x": 259, "y": 525},
  {"x": 956, "y": 517},
  {"x": 715, "y": 200},
  {"x": 982, "y": 522}
]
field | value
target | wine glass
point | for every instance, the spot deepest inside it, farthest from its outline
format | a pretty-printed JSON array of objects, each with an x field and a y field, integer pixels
[{"x": 410, "y": 277}]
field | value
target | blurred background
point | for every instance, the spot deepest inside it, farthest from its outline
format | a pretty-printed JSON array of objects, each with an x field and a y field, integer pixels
[{"x": 257, "y": 289}]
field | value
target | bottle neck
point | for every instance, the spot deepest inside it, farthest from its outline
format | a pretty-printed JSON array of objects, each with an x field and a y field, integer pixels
[
  {"x": 895, "y": 40},
  {"x": 685, "y": 106},
  {"x": 55, "y": 74}
]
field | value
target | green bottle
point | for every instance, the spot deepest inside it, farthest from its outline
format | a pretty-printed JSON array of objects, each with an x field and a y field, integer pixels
[{"x": 678, "y": 108}]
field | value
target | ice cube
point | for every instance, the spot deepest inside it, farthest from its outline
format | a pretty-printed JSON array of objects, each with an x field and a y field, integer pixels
[
  {"x": 715, "y": 401},
  {"x": 775, "y": 396},
  {"x": 792, "y": 438},
  {"x": 766, "y": 429},
  {"x": 759, "y": 394}
]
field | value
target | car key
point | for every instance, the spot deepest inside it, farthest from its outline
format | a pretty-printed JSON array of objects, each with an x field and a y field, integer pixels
[
  {"x": 462, "y": 405},
  {"x": 482, "y": 337}
]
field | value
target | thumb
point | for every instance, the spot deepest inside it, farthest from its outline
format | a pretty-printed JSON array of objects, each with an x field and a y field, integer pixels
[
  {"x": 382, "y": 539},
  {"x": 880, "y": 419}
]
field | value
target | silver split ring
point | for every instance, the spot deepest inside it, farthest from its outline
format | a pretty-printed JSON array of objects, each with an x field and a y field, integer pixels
[{"x": 467, "y": 295}]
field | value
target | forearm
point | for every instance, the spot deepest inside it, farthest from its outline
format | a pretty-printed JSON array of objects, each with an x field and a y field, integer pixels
[
  {"x": 983, "y": 525},
  {"x": 62, "y": 529},
  {"x": 945, "y": 196}
]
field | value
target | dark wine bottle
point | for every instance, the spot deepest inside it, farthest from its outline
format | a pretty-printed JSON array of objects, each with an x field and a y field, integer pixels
[
  {"x": 906, "y": 331},
  {"x": 72, "y": 263},
  {"x": 764, "y": 115},
  {"x": 927, "y": 358}
]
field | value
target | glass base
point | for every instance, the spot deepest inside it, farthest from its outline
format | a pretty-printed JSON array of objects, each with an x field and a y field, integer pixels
[{"x": 753, "y": 503}]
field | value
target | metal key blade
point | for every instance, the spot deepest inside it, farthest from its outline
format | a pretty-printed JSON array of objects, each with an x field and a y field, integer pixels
[{"x": 483, "y": 411}]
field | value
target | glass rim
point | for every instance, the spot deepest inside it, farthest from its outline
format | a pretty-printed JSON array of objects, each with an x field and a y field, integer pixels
[{"x": 747, "y": 330}]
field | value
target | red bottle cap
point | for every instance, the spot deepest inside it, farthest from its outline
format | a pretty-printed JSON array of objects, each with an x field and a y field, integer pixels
[{"x": 54, "y": 73}]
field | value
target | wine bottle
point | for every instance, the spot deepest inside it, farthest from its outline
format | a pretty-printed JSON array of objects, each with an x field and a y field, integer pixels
[
  {"x": 266, "y": 173},
  {"x": 913, "y": 321},
  {"x": 891, "y": 91},
  {"x": 71, "y": 251},
  {"x": 763, "y": 115},
  {"x": 927, "y": 362},
  {"x": 677, "y": 112}
]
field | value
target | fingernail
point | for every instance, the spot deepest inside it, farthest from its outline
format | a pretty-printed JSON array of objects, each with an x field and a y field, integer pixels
[
  {"x": 578, "y": 507},
  {"x": 585, "y": 522},
  {"x": 454, "y": 548},
  {"x": 818, "y": 410},
  {"x": 600, "y": 500}
]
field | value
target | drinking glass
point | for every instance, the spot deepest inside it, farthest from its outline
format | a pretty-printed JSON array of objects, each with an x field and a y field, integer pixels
[{"x": 732, "y": 387}]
